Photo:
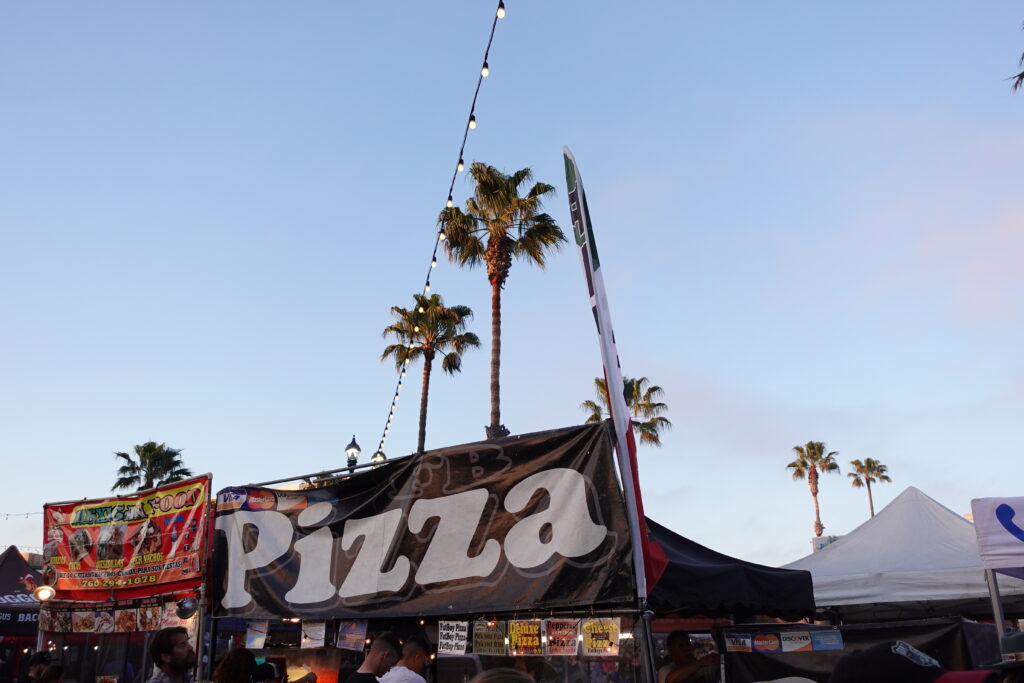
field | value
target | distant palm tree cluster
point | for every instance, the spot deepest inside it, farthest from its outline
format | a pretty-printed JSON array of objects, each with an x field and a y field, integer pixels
[
  {"x": 813, "y": 460},
  {"x": 502, "y": 222}
]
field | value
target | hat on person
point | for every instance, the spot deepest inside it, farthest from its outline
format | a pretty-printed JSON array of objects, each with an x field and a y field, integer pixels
[
  {"x": 1012, "y": 647},
  {"x": 41, "y": 657},
  {"x": 265, "y": 672},
  {"x": 897, "y": 662}
]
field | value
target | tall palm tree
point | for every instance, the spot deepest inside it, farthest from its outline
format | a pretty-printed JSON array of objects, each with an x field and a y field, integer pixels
[
  {"x": 867, "y": 473},
  {"x": 812, "y": 459},
  {"x": 644, "y": 409},
  {"x": 499, "y": 225},
  {"x": 426, "y": 329},
  {"x": 154, "y": 464}
]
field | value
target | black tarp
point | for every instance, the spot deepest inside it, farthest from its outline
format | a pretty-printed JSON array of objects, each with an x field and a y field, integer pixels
[
  {"x": 19, "y": 610},
  {"x": 535, "y": 521},
  {"x": 958, "y": 644},
  {"x": 699, "y": 580}
]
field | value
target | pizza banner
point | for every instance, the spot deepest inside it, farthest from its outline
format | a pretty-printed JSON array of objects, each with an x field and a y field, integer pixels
[
  {"x": 532, "y": 521},
  {"x": 128, "y": 543}
]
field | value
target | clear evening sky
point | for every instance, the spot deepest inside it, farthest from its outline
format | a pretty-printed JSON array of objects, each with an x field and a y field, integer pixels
[{"x": 809, "y": 214}]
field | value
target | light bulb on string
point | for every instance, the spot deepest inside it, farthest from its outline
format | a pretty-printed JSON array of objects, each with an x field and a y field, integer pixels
[
  {"x": 461, "y": 166},
  {"x": 450, "y": 197},
  {"x": 426, "y": 287},
  {"x": 485, "y": 72},
  {"x": 472, "y": 121},
  {"x": 433, "y": 263},
  {"x": 416, "y": 329},
  {"x": 442, "y": 236},
  {"x": 501, "y": 9}
]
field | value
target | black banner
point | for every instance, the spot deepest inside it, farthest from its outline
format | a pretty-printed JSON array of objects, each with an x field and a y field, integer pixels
[
  {"x": 527, "y": 522},
  {"x": 806, "y": 652}
]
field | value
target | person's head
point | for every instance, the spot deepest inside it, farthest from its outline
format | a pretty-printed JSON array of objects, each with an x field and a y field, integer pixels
[
  {"x": 679, "y": 649},
  {"x": 414, "y": 655},
  {"x": 384, "y": 653},
  {"x": 37, "y": 663},
  {"x": 54, "y": 673},
  {"x": 171, "y": 651},
  {"x": 265, "y": 673},
  {"x": 236, "y": 667},
  {"x": 897, "y": 662},
  {"x": 501, "y": 674}
]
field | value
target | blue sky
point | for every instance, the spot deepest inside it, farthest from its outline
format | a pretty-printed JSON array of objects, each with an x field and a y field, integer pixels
[{"x": 809, "y": 215}]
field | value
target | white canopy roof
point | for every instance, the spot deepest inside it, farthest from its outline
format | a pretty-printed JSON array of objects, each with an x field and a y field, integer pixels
[{"x": 914, "y": 558}]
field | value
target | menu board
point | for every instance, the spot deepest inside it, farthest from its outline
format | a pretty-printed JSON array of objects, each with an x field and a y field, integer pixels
[
  {"x": 561, "y": 636},
  {"x": 601, "y": 637},
  {"x": 524, "y": 637},
  {"x": 129, "y": 542}
]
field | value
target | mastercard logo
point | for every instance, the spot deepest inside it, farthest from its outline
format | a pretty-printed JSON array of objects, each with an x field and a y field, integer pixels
[
  {"x": 766, "y": 642},
  {"x": 261, "y": 501}
]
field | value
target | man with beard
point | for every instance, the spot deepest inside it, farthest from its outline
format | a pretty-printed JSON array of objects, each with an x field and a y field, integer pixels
[{"x": 172, "y": 656}]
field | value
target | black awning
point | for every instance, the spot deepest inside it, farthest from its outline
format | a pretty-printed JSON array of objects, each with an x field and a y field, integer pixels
[{"x": 699, "y": 580}]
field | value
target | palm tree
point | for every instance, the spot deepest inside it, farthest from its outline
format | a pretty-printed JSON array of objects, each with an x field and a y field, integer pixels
[
  {"x": 644, "y": 410},
  {"x": 1018, "y": 80},
  {"x": 867, "y": 473},
  {"x": 810, "y": 460},
  {"x": 499, "y": 225},
  {"x": 429, "y": 328},
  {"x": 154, "y": 464}
]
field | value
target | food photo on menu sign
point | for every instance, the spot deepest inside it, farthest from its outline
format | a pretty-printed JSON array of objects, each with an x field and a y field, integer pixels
[{"x": 153, "y": 537}]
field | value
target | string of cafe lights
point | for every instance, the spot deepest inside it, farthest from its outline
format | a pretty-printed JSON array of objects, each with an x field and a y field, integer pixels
[{"x": 439, "y": 237}]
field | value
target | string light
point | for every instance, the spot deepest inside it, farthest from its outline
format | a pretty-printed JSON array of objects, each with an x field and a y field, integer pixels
[{"x": 441, "y": 235}]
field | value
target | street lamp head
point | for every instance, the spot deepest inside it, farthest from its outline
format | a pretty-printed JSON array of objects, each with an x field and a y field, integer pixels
[
  {"x": 352, "y": 451},
  {"x": 378, "y": 458}
]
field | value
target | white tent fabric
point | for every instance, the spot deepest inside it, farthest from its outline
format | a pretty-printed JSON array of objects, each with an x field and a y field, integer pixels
[{"x": 914, "y": 558}]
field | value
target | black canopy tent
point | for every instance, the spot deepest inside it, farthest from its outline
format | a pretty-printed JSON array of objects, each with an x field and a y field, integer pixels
[
  {"x": 19, "y": 609},
  {"x": 701, "y": 581}
]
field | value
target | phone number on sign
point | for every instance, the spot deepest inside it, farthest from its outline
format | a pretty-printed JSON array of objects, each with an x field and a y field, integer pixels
[{"x": 113, "y": 583}]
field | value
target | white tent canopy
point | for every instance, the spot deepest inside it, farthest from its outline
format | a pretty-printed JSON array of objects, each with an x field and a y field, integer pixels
[{"x": 915, "y": 558}]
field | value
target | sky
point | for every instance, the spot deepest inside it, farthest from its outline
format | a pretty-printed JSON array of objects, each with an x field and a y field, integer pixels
[{"x": 809, "y": 217}]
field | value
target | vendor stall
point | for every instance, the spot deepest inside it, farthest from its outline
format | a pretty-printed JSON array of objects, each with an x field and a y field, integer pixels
[
  {"x": 494, "y": 552},
  {"x": 123, "y": 567}
]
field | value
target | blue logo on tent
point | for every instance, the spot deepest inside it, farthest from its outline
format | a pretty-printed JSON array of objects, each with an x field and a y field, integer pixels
[{"x": 1004, "y": 513}]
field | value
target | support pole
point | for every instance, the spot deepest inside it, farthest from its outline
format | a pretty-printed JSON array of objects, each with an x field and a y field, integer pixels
[
  {"x": 997, "y": 603},
  {"x": 650, "y": 667}
]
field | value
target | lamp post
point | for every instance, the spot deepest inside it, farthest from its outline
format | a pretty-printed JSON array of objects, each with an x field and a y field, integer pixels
[{"x": 352, "y": 451}]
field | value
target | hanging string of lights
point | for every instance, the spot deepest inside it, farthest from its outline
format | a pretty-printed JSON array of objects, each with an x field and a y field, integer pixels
[
  {"x": 439, "y": 237},
  {"x": 16, "y": 515}
]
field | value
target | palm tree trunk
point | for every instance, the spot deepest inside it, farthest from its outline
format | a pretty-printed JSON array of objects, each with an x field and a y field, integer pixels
[
  {"x": 495, "y": 429},
  {"x": 812, "y": 480},
  {"x": 428, "y": 357},
  {"x": 871, "y": 502}
]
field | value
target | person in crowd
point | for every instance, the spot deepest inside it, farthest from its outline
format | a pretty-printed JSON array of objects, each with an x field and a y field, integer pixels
[
  {"x": 409, "y": 668},
  {"x": 52, "y": 674},
  {"x": 265, "y": 673},
  {"x": 502, "y": 674},
  {"x": 383, "y": 655},
  {"x": 36, "y": 664},
  {"x": 684, "y": 666},
  {"x": 237, "y": 666},
  {"x": 898, "y": 662},
  {"x": 172, "y": 656}
]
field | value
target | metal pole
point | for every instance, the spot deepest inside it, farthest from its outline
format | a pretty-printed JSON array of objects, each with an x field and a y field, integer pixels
[
  {"x": 997, "y": 603},
  {"x": 200, "y": 650},
  {"x": 650, "y": 667}
]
